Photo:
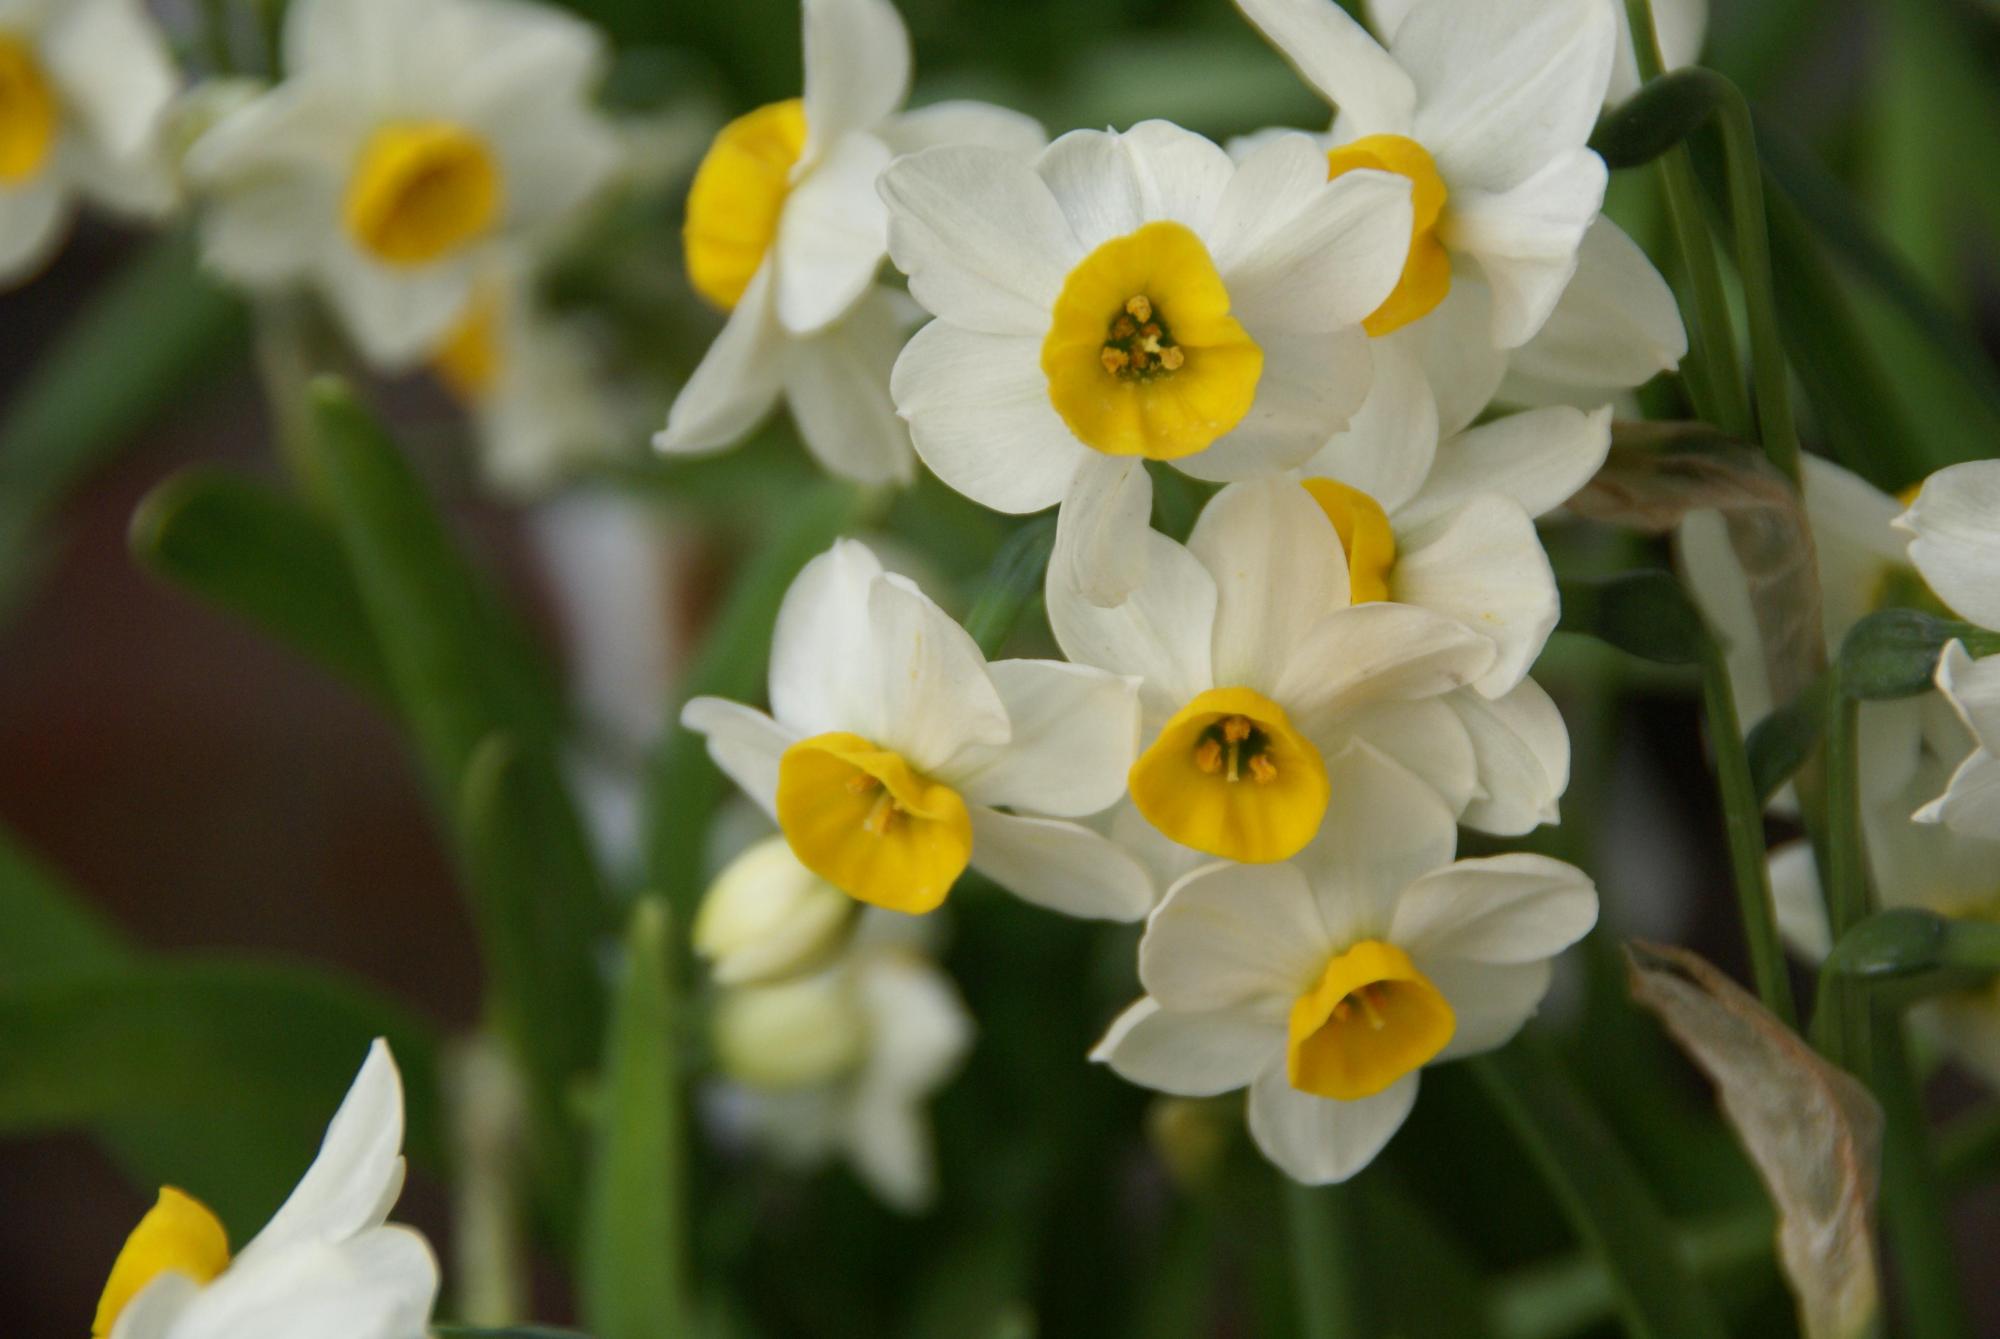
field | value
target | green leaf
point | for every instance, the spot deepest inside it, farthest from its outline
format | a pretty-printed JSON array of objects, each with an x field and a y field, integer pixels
[
  {"x": 634, "y": 1260},
  {"x": 1894, "y": 652},
  {"x": 266, "y": 557},
  {"x": 1600, "y": 1193},
  {"x": 1011, "y": 584},
  {"x": 1913, "y": 953},
  {"x": 1645, "y": 614},
  {"x": 1656, "y": 118},
  {"x": 49, "y": 930},
  {"x": 147, "y": 340},
  {"x": 1782, "y": 743}
]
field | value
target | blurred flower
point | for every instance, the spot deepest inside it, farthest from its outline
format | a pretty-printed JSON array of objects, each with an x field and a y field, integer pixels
[
  {"x": 408, "y": 140},
  {"x": 85, "y": 88},
  {"x": 327, "y": 1260},
  {"x": 1681, "y": 24},
  {"x": 1325, "y": 984},
  {"x": 785, "y": 232},
  {"x": 844, "y": 1062},
  {"x": 1257, "y": 667},
  {"x": 894, "y": 742},
  {"x": 1133, "y": 297},
  {"x": 767, "y": 917}
]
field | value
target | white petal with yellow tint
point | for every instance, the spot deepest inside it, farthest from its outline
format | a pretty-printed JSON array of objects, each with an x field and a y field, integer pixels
[
  {"x": 1337, "y": 57},
  {"x": 1196, "y": 1053},
  {"x": 1310, "y": 384},
  {"x": 837, "y": 385},
  {"x": 1539, "y": 458},
  {"x": 735, "y": 385},
  {"x": 1234, "y": 935},
  {"x": 1455, "y": 345},
  {"x": 396, "y": 318},
  {"x": 1062, "y": 866},
  {"x": 379, "y": 1286},
  {"x": 1075, "y": 733},
  {"x": 1316, "y": 1140},
  {"x": 1491, "y": 1001},
  {"x": 1956, "y": 523},
  {"x": 1387, "y": 447},
  {"x": 744, "y": 742},
  {"x": 822, "y": 636},
  {"x": 1483, "y": 565},
  {"x": 1278, "y": 570},
  {"x": 1510, "y": 908},
  {"x": 1374, "y": 653},
  {"x": 1616, "y": 326},
  {"x": 1181, "y": 176},
  {"x": 833, "y": 235},
  {"x": 1525, "y": 239},
  {"x": 115, "y": 70},
  {"x": 1520, "y": 749},
  {"x": 1329, "y": 265},
  {"x": 1384, "y": 828},
  {"x": 922, "y": 690},
  {"x": 1428, "y": 737},
  {"x": 857, "y": 68},
  {"x": 1091, "y": 175},
  {"x": 1160, "y": 635},
  {"x": 1100, "y": 546},
  {"x": 1279, "y": 174}
]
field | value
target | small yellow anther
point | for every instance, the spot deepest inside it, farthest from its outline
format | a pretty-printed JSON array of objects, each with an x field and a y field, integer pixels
[
  {"x": 1115, "y": 360},
  {"x": 1208, "y": 756},
  {"x": 1236, "y": 729},
  {"x": 861, "y": 783},
  {"x": 1262, "y": 770},
  {"x": 882, "y": 817},
  {"x": 1140, "y": 308},
  {"x": 1172, "y": 359}
]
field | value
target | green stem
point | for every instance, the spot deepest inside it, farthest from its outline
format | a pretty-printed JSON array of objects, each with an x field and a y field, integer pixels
[
  {"x": 1323, "y": 1273},
  {"x": 1913, "y": 1202},
  {"x": 1841, "y": 1023},
  {"x": 215, "y": 36},
  {"x": 489, "y": 1256},
  {"x": 1743, "y": 820}
]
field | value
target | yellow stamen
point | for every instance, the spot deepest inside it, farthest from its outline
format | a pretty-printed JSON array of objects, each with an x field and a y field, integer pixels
[
  {"x": 871, "y": 825},
  {"x": 1403, "y": 1023},
  {"x": 1426, "y": 277},
  {"x": 1365, "y": 536},
  {"x": 30, "y": 115},
  {"x": 1142, "y": 356},
  {"x": 178, "y": 1235},
  {"x": 1188, "y": 783},
  {"x": 422, "y": 190},
  {"x": 737, "y": 197}
]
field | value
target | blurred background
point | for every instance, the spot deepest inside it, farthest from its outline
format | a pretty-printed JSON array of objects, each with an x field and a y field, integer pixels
[{"x": 207, "y": 790}]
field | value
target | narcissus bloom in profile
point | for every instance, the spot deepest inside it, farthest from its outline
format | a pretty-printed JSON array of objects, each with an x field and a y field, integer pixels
[
  {"x": 328, "y": 1262},
  {"x": 1325, "y": 984},
  {"x": 85, "y": 87},
  {"x": 1126, "y": 298},
  {"x": 1257, "y": 666},
  {"x": 408, "y": 138},
  {"x": 895, "y": 757},
  {"x": 785, "y": 232}
]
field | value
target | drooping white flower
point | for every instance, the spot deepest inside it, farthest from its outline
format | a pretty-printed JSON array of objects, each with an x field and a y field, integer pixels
[
  {"x": 895, "y": 757},
  {"x": 328, "y": 1262},
  {"x": 85, "y": 88},
  {"x": 1325, "y": 984},
  {"x": 408, "y": 139},
  {"x": 767, "y": 917},
  {"x": 844, "y": 1062},
  {"x": 1133, "y": 297},
  {"x": 1682, "y": 24},
  {"x": 1257, "y": 667},
  {"x": 785, "y": 232}
]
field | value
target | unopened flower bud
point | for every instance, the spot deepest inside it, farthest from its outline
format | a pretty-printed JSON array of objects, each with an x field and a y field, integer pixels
[
  {"x": 767, "y": 917},
  {"x": 796, "y": 1034}
]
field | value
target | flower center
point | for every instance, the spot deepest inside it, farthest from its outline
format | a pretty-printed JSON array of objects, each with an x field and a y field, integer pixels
[
  {"x": 1426, "y": 277},
  {"x": 421, "y": 191},
  {"x": 737, "y": 196},
  {"x": 1365, "y": 537},
  {"x": 469, "y": 360},
  {"x": 29, "y": 113},
  {"x": 870, "y": 824},
  {"x": 178, "y": 1235},
  {"x": 1371, "y": 1018},
  {"x": 1231, "y": 777},
  {"x": 1142, "y": 356}
]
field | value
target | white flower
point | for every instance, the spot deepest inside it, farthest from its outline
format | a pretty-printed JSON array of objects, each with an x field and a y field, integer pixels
[
  {"x": 1682, "y": 24},
  {"x": 844, "y": 1062},
  {"x": 1324, "y": 985},
  {"x": 1133, "y": 297},
  {"x": 1257, "y": 667},
  {"x": 767, "y": 917},
  {"x": 785, "y": 232},
  {"x": 408, "y": 139},
  {"x": 328, "y": 1262},
  {"x": 85, "y": 87},
  {"x": 894, "y": 753}
]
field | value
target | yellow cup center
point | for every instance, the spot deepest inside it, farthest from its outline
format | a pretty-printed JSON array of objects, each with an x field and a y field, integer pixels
[
  {"x": 871, "y": 825},
  {"x": 1426, "y": 277},
  {"x": 29, "y": 113},
  {"x": 1365, "y": 537},
  {"x": 1142, "y": 356},
  {"x": 1370, "y": 1019},
  {"x": 422, "y": 190},
  {"x": 1231, "y": 777},
  {"x": 737, "y": 197},
  {"x": 469, "y": 360},
  {"x": 178, "y": 1235}
]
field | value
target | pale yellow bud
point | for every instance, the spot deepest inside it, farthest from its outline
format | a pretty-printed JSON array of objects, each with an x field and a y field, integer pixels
[
  {"x": 796, "y": 1034},
  {"x": 767, "y": 917}
]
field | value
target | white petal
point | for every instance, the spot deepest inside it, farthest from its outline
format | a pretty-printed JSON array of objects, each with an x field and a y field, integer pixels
[
  {"x": 1801, "y": 910},
  {"x": 267, "y": 232},
  {"x": 1526, "y": 239},
  {"x": 396, "y": 317},
  {"x": 1521, "y": 749},
  {"x": 1182, "y": 176},
  {"x": 1615, "y": 326},
  {"x": 1329, "y": 265},
  {"x": 1100, "y": 549},
  {"x": 1539, "y": 458},
  {"x": 1387, "y": 447},
  {"x": 744, "y": 742},
  {"x": 1504, "y": 909},
  {"x": 1279, "y": 174},
  {"x": 1428, "y": 737},
  {"x": 979, "y": 412},
  {"x": 1230, "y": 935},
  {"x": 554, "y": 159},
  {"x": 1191, "y": 1054},
  {"x": 1483, "y": 564},
  {"x": 980, "y": 236},
  {"x": 1076, "y": 732},
  {"x": 1455, "y": 343},
  {"x": 1973, "y": 689},
  {"x": 1956, "y": 521},
  {"x": 1092, "y": 177},
  {"x": 1970, "y": 805},
  {"x": 857, "y": 67},
  {"x": 1316, "y": 1140},
  {"x": 1505, "y": 87},
  {"x": 922, "y": 688},
  {"x": 837, "y": 384},
  {"x": 1062, "y": 866},
  {"x": 529, "y": 48},
  {"x": 822, "y": 639},
  {"x": 919, "y": 1029},
  {"x": 888, "y": 1138},
  {"x": 156, "y": 1309},
  {"x": 1491, "y": 1000},
  {"x": 1337, "y": 57},
  {"x": 1310, "y": 386},
  {"x": 1379, "y": 653},
  {"x": 380, "y": 1286},
  {"x": 833, "y": 235},
  {"x": 33, "y": 222},
  {"x": 1384, "y": 828},
  {"x": 1278, "y": 570},
  {"x": 963, "y": 121},
  {"x": 115, "y": 72},
  {"x": 736, "y": 383},
  {"x": 1160, "y": 635}
]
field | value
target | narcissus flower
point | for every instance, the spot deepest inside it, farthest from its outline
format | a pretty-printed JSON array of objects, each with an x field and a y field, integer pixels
[
  {"x": 85, "y": 87},
  {"x": 1126, "y": 298},
  {"x": 408, "y": 138},
  {"x": 844, "y": 1062},
  {"x": 895, "y": 757},
  {"x": 1324, "y": 985},
  {"x": 1257, "y": 667},
  {"x": 328, "y": 1254},
  {"x": 785, "y": 232}
]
